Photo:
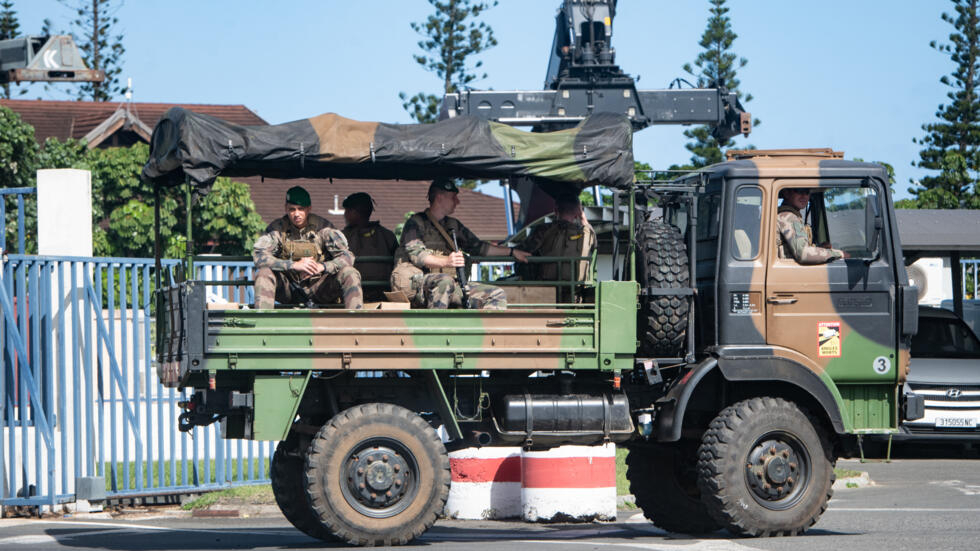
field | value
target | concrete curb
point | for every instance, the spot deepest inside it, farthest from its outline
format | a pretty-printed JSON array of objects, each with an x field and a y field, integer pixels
[{"x": 853, "y": 482}]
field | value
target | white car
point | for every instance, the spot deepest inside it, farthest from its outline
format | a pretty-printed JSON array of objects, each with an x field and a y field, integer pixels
[{"x": 945, "y": 370}]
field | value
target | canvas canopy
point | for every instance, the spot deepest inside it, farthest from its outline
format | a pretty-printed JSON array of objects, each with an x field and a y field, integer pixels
[{"x": 596, "y": 152}]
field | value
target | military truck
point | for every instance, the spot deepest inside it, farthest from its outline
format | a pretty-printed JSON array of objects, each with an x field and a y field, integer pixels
[{"x": 735, "y": 376}]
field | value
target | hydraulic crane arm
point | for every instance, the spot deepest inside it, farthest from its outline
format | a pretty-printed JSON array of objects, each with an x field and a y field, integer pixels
[
  {"x": 582, "y": 79},
  {"x": 42, "y": 58}
]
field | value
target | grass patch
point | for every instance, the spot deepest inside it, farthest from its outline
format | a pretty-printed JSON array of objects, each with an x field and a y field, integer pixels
[
  {"x": 260, "y": 493},
  {"x": 622, "y": 485},
  {"x": 846, "y": 473},
  {"x": 183, "y": 473}
]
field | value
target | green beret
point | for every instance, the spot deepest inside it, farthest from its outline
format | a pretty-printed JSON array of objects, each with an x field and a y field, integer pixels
[
  {"x": 359, "y": 199},
  {"x": 443, "y": 185},
  {"x": 298, "y": 196}
]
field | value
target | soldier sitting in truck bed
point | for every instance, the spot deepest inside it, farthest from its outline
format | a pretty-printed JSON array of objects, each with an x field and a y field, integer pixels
[
  {"x": 366, "y": 238},
  {"x": 797, "y": 237},
  {"x": 302, "y": 259},
  {"x": 570, "y": 235},
  {"x": 426, "y": 261}
]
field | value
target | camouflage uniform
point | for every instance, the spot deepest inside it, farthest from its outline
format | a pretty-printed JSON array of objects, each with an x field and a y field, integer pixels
[
  {"x": 372, "y": 240},
  {"x": 437, "y": 287},
  {"x": 282, "y": 244},
  {"x": 797, "y": 239},
  {"x": 560, "y": 238}
]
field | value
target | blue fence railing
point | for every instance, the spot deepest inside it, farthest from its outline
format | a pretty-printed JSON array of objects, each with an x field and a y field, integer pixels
[
  {"x": 20, "y": 193},
  {"x": 79, "y": 395}
]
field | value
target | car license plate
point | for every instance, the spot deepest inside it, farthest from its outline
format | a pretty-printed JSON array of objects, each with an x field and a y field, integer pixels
[{"x": 958, "y": 422}]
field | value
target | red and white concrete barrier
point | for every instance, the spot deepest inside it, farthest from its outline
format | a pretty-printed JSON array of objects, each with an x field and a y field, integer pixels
[
  {"x": 569, "y": 483},
  {"x": 486, "y": 483}
]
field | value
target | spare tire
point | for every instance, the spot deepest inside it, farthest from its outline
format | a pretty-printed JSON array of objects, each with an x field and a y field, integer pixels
[{"x": 661, "y": 263}]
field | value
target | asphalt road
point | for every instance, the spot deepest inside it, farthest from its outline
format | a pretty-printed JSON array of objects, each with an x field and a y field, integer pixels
[{"x": 916, "y": 504}]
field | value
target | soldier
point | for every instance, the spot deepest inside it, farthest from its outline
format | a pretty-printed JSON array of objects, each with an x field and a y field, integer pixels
[
  {"x": 302, "y": 258},
  {"x": 797, "y": 237},
  {"x": 426, "y": 262},
  {"x": 570, "y": 235},
  {"x": 368, "y": 238}
]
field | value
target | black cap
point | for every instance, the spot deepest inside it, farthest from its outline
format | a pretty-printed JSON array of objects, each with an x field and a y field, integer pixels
[
  {"x": 298, "y": 196},
  {"x": 442, "y": 184},
  {"x": 359, "y": 199}
]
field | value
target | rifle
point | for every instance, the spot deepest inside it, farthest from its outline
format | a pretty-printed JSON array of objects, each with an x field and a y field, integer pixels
[{"x": 460, "y": 271}]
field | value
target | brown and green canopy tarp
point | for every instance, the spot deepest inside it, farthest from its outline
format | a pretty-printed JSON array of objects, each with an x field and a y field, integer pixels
[{"x": 596, "y": 152}]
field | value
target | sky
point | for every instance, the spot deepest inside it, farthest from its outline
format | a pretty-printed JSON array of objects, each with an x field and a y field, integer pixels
[{"x": 858, "y": 76}]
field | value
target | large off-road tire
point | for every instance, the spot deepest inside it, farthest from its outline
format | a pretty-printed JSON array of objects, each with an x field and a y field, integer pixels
[
  {"x": 663, "y": 479},
  {"x": 765, "y": 468},
  {"x": 377, "y": 474},
  {"x": 661, "y": 262},
  {"x": 289, "y": 489}
]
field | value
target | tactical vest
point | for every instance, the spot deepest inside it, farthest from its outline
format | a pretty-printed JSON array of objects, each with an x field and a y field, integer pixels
[
  {"x": 567, "y": 240},
  {"x": 373, "y": 240},
  {"x": 433, "y": 240},
  {"x": 299, "y": 243}
]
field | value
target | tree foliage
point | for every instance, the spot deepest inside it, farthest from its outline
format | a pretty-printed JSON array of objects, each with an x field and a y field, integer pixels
[
  {"x": 225, "y": 220},
  {"x": 452, "y": 36},
  {"x": 93, "y": 31},
  {"x": 716, "y": 66},
  {"x": 951, "y": 145}
]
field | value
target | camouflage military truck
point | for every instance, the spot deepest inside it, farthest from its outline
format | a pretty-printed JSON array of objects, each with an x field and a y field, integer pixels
[{"x": 735, "y": 376}]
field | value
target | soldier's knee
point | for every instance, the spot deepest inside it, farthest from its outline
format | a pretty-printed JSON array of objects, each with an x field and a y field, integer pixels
[
  {"x": 349, "y": 274},
  {"x": 264, "y": 273}
]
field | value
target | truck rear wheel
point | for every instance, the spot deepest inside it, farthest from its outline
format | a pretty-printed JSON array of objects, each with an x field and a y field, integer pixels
[
  {"x": 286, "y": 474},
  {"x": 765, "y": 468},
  {"x": 377, "y": 474},
  {"x": 661, "y": 263},
  {"x": 663, "y": 479}
]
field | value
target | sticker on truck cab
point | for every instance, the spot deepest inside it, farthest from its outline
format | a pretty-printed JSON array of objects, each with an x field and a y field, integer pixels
[{"x": 828, "y": 339}]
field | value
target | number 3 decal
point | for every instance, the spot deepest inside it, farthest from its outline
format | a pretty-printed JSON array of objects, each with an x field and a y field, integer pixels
[{"x": 882, "y": 365}]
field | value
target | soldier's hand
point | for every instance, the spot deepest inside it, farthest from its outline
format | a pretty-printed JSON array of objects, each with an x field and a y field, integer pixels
[
  {"x": 456, "y": 260},
  {"x": 307, "y": 266},
  {"x": 520, "y": 255}
]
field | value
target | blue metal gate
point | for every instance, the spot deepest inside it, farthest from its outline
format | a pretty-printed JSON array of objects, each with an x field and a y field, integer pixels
[{"x": 79, "y": 395}]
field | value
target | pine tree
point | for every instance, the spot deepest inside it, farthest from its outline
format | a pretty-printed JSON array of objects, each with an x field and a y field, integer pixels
[
  {"x": 452, "y": 35},
  {"x": 8, "y": 29},
  {"x": 716, "y": 67},
  {"x": 952, "y": 144},
  {"x": 93, "y": 27}
]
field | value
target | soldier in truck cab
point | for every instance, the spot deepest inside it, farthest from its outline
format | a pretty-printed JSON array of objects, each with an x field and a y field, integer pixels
[
  {"x": 797, "y": 237},
  {"x": 427, "y": 259},
  {"x": 302, "y": 259}
]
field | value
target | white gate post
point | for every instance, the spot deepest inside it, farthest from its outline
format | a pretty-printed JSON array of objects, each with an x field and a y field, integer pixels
[{"x": 64, "y": 228}]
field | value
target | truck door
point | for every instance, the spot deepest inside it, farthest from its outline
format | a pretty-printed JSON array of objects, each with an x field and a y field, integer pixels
[{"x": 836, "y": 317}]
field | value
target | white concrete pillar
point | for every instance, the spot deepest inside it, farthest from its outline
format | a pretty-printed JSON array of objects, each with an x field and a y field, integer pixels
[
  {"x": 64, "y": 212},
  {"x": 64, "y": 228}
]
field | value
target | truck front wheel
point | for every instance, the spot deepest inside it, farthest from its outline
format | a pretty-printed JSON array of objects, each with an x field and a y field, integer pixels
[
  {"x": 377, "y": 474},
  {"x": 765, "y": 468}
]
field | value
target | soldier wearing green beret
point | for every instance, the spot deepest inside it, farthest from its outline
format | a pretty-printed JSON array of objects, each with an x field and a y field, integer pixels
[
  {"x": 426, "y": 261},
  {"x": 301, "y": 258},
  {"x": 367, "y": 238}
]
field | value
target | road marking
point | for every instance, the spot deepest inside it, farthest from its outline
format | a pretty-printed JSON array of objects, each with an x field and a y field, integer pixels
[
  {"x": 28, "y": 540},
  {"x": 904, "y": 509},
  {"x": 697, "y": 545},
  {"x": 959, "y": 485}
]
